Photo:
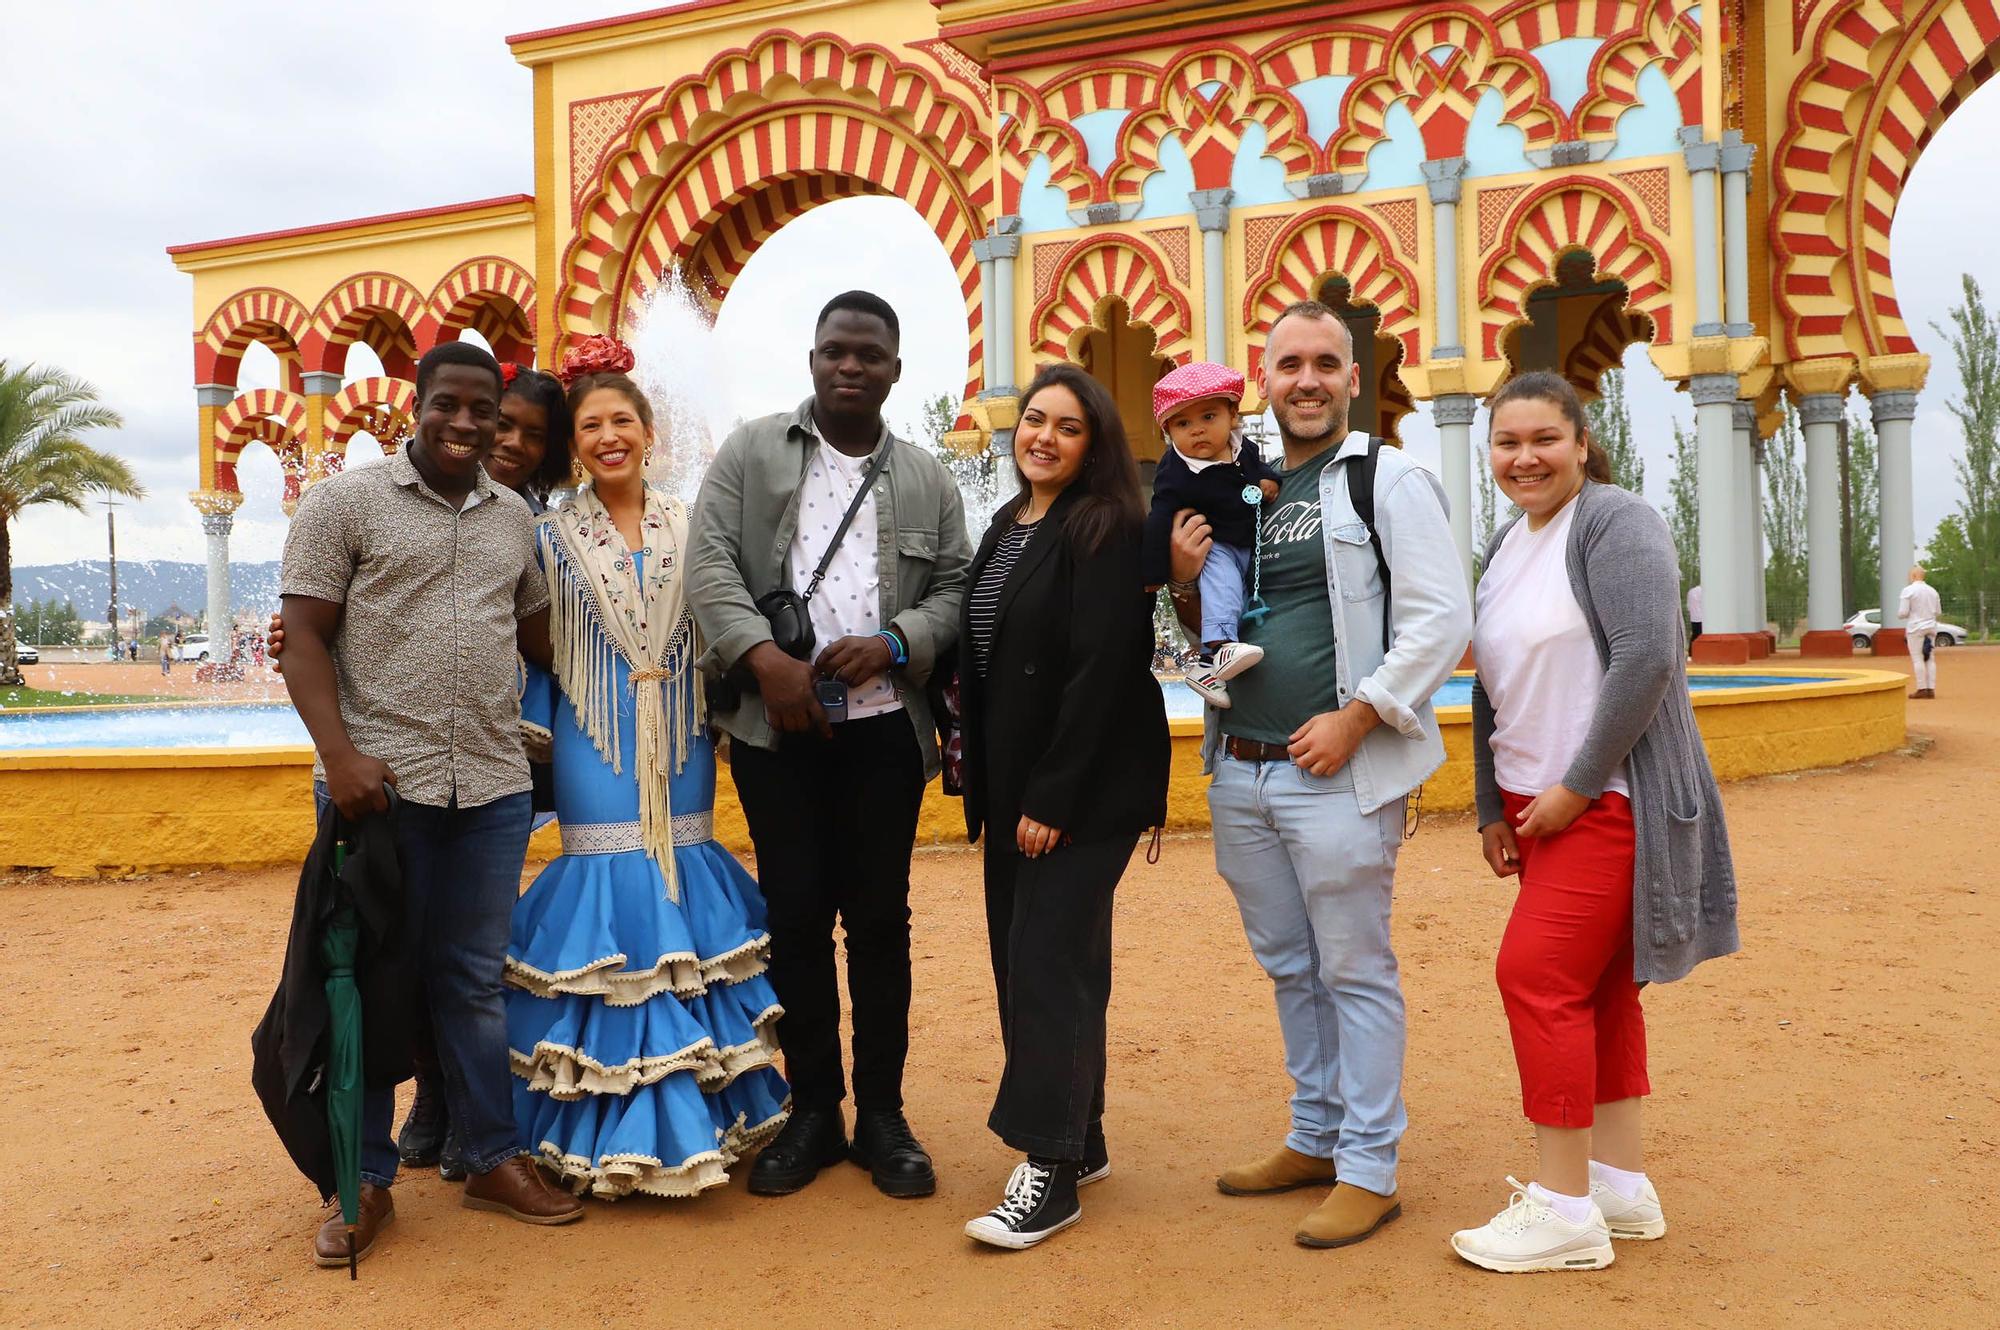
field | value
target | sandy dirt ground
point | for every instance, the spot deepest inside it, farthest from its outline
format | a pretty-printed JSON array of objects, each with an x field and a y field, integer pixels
[
  {"x": 142, "y": 678},
  {"x": 1825, "y": 1129}
]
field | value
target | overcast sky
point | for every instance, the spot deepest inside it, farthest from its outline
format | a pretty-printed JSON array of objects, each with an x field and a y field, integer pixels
[{"x": 132, "y": 126}]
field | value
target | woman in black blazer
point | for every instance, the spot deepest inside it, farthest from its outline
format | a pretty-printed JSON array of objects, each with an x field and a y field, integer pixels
[{"x": 1066, "y": 757}]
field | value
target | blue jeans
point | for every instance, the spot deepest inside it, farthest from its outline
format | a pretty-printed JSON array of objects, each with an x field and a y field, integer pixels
[
  {"x": 1225, "y": 579},
  {"x": 461, "y": 877},
  {"x": 1313, "y": 876}
]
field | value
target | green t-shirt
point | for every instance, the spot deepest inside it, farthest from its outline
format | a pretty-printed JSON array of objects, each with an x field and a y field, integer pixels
[{"x": 1297, "y": 679}]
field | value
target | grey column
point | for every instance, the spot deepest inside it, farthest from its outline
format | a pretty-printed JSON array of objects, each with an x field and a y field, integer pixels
[
  {"x": 220, "y": 617},
  {"x": 1821, "y": 414},
  {"x": 1893, "y": 413},
  {"x": 1719, "y": 491},
  {"x": 1211, "y": 213},
  {"x": 1446, "y": 179},
  {"x": 1454, "y": 413},
  {"x": 983, "y": 253},
  {"x": 997, "y": 253},
  {"x": 1750, "y": 485},
  {"x": 1736, "y": 157},
  {"x": 1703, "y": 159}
]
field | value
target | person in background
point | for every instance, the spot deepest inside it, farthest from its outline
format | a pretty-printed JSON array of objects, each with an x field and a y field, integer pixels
[
  {"x": 1066, "y": 759},
  {"x": 132, "y": 647},
  {"x": 406, "y": 589},
  {"x": 166, "y": 653},
  {"x": 1594, "y": 789},
  {"x": 1314, "y": 764},
  {"x": 1918, "y": 607},
  {"x": 1694, "y": 614},
  {"x": 833, "y": 806}
]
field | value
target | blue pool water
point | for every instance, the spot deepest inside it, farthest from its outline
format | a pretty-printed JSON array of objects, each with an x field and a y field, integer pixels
[{"x": 256, "y": 725}]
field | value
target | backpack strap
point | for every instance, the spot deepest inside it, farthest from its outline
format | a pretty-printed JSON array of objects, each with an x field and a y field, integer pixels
[{"x": 1361, "y": 493}]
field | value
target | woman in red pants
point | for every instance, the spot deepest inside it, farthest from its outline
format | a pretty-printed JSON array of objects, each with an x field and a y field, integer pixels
[{"x": 1593, "y": 786}]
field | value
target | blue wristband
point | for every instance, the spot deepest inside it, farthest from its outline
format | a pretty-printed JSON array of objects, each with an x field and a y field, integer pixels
[{"x": 898, "y": 653}]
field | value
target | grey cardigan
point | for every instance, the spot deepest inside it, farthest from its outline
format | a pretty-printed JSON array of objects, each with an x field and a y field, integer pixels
[{"x": 1625, "y": 575}]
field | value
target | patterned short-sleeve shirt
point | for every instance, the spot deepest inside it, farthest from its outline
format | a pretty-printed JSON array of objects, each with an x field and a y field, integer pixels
[{"x": 430, "y": 594}]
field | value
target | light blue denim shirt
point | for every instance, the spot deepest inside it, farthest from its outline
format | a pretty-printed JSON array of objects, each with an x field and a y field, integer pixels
[{"x": 1430, "y": 626}]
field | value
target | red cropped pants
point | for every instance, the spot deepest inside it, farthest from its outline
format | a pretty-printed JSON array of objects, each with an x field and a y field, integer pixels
[{"x": 1565, "y": 968}]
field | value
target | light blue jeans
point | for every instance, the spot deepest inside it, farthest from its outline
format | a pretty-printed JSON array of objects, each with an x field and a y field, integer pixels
[
  {"x": 1225, "y": 591},
  {"x": 1313, "y": 876}
]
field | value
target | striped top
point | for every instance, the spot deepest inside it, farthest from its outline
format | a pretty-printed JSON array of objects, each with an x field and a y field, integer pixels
[{"x": 983, "y": 603}]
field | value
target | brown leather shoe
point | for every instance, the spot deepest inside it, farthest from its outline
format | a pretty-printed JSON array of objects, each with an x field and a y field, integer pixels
[
  {"x": 378, "y": 1211},
  {"x": 1287, "y": 1170},
  {"x": 1347, "y": 1216},
  {"x": 521, "y": 1191}
]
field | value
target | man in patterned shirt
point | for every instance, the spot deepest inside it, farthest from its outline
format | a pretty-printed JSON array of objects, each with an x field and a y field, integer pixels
[{"x": 406, "y": 589}]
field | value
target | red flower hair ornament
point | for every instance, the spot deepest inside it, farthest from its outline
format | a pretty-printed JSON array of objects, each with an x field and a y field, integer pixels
[
  {"x": 599, "y": 353},
  {"x": 509, "y": 371}
]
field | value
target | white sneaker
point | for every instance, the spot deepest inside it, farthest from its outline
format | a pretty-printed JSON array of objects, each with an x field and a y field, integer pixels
[
  {"x": 1528, "y": 1235},
  {"x": 1203, "y": 676},
  {"x": 1639, "y": 1218},
  {"x": 1232, "y": 658}
]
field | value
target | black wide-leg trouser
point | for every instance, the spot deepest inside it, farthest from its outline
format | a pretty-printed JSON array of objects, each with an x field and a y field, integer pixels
[{"x": 1048, "y": 922}]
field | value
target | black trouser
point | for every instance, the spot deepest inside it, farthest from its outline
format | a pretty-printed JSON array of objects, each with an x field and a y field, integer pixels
[
  {"x": 1048, "y": 921},
  {"x": 834, "y": 821}
]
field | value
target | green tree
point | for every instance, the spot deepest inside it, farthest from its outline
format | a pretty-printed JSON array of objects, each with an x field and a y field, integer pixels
[
  {"x": 1785, "y": 525},
  {"x": 1949, "y": 564},
  {"x": 1684, "y": 506},
  {"x": 1611, "y": 429},
  {"x": 1974, "y": 337},
  {"x": 1864, "y": 516},
  {"x": 43, "y": 459}
]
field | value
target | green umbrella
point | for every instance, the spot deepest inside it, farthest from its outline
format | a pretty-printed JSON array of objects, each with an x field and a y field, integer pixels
[{"x": 337, "y": 945}]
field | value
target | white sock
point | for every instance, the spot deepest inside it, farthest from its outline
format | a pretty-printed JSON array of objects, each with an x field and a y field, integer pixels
[
  {"x": 1628, "y": 1185},
  {"x": 1576, "y": 1209}
]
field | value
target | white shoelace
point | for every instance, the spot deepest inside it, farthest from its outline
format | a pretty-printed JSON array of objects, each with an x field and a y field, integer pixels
[
  {"x": 1523, "y": 1211},
  {"x": 1024, "y": 1193}
]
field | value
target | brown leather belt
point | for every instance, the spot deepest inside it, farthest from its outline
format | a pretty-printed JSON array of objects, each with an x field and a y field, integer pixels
[{"x": 1255, "y": 750}]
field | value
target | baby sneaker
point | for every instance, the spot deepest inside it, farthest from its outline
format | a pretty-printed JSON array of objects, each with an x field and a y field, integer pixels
[
  {"x": 1205, "y": 677},
  {"x": 1232, "y": 658}
]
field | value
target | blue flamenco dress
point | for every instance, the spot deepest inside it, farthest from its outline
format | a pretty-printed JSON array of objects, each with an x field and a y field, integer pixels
[{"x": 640, "y": 1024}]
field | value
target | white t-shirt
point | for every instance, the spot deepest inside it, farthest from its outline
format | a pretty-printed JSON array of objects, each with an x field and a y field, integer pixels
[
  {"x": 1694, "y": 603},
  {"x": 849, "y": 600},
  {"x": 1918, "y": 607},
  {"x": 1537, "y": 661}
]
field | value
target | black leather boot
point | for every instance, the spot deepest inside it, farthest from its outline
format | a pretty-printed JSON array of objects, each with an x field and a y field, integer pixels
[
  {"x": 813, "y": 1139},
  {"x": 888, "y": 1149},
  {"x": 424, "y": 1130}
]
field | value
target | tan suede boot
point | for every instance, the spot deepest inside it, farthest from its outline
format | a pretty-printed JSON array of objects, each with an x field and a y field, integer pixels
[
  {"x": 1287, "y": 1170},
  {"x": 1347, "y": 1216}
]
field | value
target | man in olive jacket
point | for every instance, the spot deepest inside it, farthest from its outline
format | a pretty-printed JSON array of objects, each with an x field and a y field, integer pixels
[{"x": 832, "y": 800}]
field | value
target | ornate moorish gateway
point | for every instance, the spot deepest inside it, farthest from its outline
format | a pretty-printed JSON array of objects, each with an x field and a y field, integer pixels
[{"x": 1481, "y": 189}]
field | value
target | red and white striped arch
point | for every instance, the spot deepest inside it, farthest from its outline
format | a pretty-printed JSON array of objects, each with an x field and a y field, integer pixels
[
  {"x": 1573, "y": 213},
  {"x": 494, "y": 297},
  {"x": 1334, "y": 241},
  {"x": 260, "y": 314},
  {"x": 1210, "y": 125},
  {"x": 269, "y": 416},
  {"x": 381, "y": 406},
  {"x": 377, "y": 309},
  {"x": 1094, "y": 273},
  {"x": 1881, "y": 83},
  {"x": 789, "y": 108}
]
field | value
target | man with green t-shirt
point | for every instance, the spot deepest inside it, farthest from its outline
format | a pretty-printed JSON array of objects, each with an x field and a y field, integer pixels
[{"x": 1314, "y": 762}]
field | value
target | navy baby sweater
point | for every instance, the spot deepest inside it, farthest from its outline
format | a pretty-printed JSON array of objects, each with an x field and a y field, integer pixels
[{"x": 1216, "y": 492}]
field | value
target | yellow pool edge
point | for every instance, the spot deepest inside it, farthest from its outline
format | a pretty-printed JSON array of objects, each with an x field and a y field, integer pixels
[{"x": 90, "y": 812}]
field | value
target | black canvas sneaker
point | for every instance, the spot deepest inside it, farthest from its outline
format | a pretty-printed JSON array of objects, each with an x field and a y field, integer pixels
[
  {"x": 1040, "y": 1201},
  {"x": 1096, "y": 1166}
]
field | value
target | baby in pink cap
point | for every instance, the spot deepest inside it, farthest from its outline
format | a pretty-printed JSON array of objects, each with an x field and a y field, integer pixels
[{"x": 1211, "y": 467}]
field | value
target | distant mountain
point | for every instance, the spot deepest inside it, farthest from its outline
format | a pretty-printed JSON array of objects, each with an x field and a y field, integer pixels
[{"x": 153, "y": 585}]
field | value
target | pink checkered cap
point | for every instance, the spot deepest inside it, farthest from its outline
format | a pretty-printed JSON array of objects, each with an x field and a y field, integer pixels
[{"x": 1192, "y": 383}]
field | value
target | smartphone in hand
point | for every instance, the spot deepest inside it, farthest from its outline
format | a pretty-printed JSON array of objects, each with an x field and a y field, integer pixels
[{"x": 832, "y": 697}]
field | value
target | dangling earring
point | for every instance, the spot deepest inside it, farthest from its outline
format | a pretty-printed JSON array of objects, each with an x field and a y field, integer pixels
[
  {"x": 577, "y": 475},
  {"x": 646, "y": 457}
]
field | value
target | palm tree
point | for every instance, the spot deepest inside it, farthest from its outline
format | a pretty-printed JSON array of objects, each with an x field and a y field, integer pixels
[{"x": 42, "y": 460}]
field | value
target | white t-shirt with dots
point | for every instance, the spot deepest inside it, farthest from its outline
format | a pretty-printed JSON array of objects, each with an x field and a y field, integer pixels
[{"x": 849, "y": 600}]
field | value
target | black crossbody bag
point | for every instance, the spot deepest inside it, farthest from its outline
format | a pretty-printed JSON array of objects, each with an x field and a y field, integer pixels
[{"x": 786, "y": 609}]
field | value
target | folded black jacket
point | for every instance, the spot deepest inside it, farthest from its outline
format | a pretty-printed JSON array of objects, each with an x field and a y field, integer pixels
[{"x": 289, "y": 1047}]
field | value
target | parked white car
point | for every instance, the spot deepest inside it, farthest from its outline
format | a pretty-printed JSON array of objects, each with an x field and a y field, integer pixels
[
  {"x": 26, "y": 655},
  {"x": 192, "y": 647},
  {"x": 1866, "y": 624}
]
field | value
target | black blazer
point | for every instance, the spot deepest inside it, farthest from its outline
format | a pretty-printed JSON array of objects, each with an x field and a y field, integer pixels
[{"x": 1069, "y": 725}]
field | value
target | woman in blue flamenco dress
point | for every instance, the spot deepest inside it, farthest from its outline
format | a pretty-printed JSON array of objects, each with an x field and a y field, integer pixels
[{"x": 639, "y": 1020}]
